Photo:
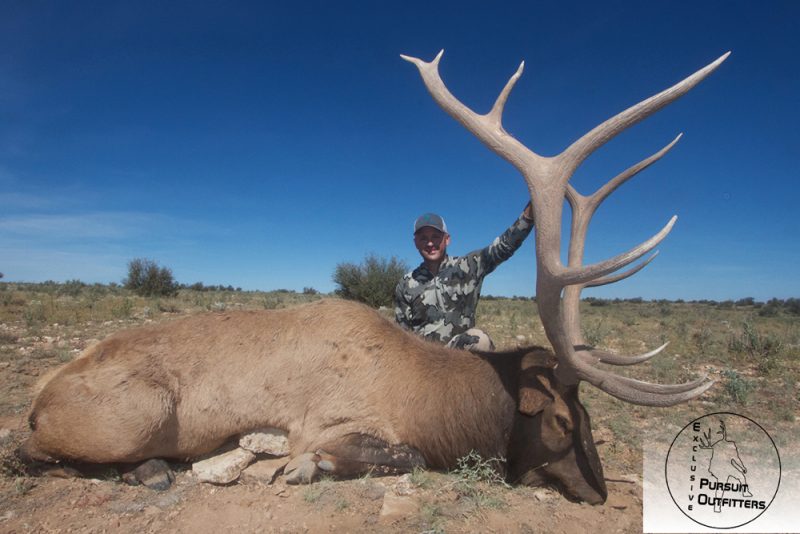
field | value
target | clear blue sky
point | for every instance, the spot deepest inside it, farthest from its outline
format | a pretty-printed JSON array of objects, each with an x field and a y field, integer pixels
[{"x": 260, "y": 144}]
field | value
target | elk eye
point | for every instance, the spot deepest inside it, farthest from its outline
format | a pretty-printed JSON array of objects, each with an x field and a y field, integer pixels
[{"x": 563, "y": 424}]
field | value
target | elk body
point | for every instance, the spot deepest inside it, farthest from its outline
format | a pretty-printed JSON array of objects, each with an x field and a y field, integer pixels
[
  {"x": 345, "y": 383},
  {"x": 355, "y": 390}
]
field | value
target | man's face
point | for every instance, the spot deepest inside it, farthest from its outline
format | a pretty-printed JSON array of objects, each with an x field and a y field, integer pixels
[{"x": 431, "y": 243}]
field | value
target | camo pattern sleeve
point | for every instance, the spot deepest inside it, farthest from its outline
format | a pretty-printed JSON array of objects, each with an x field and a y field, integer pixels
[{"x": 442, "y": 306}]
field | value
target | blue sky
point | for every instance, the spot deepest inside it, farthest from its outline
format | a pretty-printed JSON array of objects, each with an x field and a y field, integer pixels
[{"x": 260, "y": 144}]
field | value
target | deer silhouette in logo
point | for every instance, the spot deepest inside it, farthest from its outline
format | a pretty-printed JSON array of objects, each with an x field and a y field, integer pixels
[{"x": 725, "y": 464}]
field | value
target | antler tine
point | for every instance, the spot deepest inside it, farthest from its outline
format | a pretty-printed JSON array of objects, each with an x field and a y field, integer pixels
[
  {"x": 587, "y": 273},
  {"x": 487, "y": 128},
  {"x": 497, "y": 110},
  {"x": 574, "y": 155},
  {"x": 623, "y": 275},
  {"x": 616, "y": 359},
  {"x": 638, "y": 392},
  {"x": 601, "y": 194}
]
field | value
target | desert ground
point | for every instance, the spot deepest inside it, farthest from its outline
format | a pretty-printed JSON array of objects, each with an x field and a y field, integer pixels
[{"x": 749, "y": 349}]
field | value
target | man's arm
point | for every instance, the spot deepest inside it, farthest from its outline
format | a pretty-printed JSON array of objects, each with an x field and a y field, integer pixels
[{"x": 504, "y": 246}]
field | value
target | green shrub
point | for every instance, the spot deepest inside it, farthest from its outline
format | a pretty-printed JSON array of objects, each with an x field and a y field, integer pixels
[
  {"x": 147, "y": 279},
  {"x": 738, "y": 387},
  {"x": 763, "y": 348},
  {"x": 372, "y": 282}
]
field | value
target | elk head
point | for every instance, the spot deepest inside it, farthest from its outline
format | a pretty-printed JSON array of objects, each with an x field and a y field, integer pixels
[
  {"x": 551, "y": 442},
  {"x": 558, "y": 286}
]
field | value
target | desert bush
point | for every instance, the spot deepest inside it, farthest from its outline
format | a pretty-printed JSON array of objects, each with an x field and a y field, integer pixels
[
  {"x": 147, "y": 279},
  {"x": 738, "y": 387},
  {"x": 73, "y": 288},
  {"x": 763, "y": 348},
  {"x": 477, "y": 479},
  {"x": 473, "y": 468},
  {"x": 372, "y": 282},
  {"x": 702, "y": 339},
  {"x": 594, "y": 332},
  {"x": 771, "y": 308}
]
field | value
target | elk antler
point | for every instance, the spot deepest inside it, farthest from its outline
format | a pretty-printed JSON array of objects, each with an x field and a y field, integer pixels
[{"x": 548, "y": 183}]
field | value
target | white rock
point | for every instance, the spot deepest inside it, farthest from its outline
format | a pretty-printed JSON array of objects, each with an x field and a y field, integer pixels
[
  {"x": 224, "y": 468},
  {"x": 272, "y": 441}
]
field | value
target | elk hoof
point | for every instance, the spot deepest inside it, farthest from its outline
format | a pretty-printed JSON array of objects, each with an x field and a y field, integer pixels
[
  {"x": 154, "y": 474},
  {"x": 302, "y": 469}
]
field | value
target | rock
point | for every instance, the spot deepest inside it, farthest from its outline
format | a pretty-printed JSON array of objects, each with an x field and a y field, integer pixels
[
  {"x": 265, "y": 471},
  {"x": 544, "y": 494},
  {"x": 404, "y": 486},
  {"x": 302, "y": 469},
  {"x": 374, "y": 491},
  {"x": 272, "y": 441},
  {"x": 5, "y": 436},
  {"x": 224, "y": 468},
  {"x": 397, "y": 507},
  {"x": 154, "y": 474}
]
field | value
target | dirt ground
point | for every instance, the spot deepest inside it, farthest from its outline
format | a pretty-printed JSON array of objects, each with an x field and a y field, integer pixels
[
  {"x": 424, "y": 502},
  {"x": 385, "y": 504}
]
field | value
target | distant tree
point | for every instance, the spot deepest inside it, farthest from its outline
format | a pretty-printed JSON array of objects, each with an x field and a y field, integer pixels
[
  {"x": 147, "y": 278},
  {"x": 371, "y": 282},
  {"x": 310, "y": 291},
  {"x": 771, "y": 308},
  {"x": 792, "y": 306}
]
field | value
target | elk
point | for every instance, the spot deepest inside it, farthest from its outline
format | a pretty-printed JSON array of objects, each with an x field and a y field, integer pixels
[{"x": 354, "y": 391}]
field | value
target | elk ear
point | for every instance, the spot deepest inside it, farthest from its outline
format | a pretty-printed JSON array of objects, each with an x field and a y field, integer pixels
[{"x": 534, "y": 395}]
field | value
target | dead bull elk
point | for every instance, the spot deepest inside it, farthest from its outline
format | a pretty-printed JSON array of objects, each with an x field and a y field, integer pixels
[{"x": 357, "y": 392}]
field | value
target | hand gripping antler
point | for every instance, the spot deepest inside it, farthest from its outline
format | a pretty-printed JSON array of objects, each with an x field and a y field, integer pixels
[{"x": 548, "y": 183}]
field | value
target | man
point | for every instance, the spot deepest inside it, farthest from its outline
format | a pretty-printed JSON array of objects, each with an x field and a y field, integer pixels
[{"x": 438, "y": 299}]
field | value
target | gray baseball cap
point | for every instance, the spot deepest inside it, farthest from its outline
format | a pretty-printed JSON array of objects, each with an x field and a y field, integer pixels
[{"x": 432, "y": 220}]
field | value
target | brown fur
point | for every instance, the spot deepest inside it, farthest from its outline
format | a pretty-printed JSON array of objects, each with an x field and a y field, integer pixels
[{"x": 321, "y": 371}]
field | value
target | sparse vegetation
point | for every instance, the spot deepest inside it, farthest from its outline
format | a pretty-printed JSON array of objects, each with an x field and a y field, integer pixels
[{"x": 372, "y": 282}]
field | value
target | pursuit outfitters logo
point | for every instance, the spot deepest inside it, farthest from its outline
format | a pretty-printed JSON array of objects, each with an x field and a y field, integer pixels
[{"x": 723, "y": 470}]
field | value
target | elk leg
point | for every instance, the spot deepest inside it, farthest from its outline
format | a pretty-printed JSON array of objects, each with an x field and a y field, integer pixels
[{"x": 358, "y": 454}]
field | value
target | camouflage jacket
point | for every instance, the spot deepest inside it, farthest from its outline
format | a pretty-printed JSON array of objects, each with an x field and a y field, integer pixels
[{"x": 442, "y": 306}]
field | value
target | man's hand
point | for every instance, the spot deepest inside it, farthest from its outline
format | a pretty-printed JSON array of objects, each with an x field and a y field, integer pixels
[{"x": 528, "y": 212}]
